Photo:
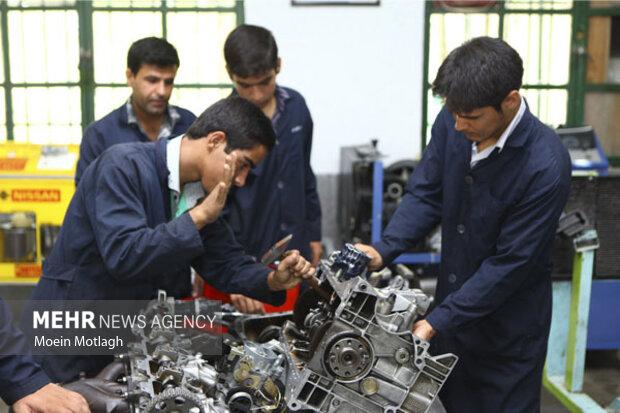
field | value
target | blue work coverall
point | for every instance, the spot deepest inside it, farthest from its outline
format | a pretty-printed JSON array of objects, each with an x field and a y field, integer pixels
[
  {"x": 19, "y": 374},
  {"x": 493, "y": 299},
  {"x": 280, "y": 195},
  {"x": 114, "y": 128},
  {"x": 118, "y": 242}
]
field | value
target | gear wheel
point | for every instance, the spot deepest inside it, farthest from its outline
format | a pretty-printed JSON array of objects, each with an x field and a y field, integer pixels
[{"x": 175, "y": 400}]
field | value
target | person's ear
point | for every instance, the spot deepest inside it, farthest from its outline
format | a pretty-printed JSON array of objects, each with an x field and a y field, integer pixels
[
  {"x": 512, "y": 101},
  {"x": 278, "y": 65},
  {"x": 130, "y": 76},
  {"x": 215, "y": 139}
]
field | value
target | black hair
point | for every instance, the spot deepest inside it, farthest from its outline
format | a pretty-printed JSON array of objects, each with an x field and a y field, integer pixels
[
  {"x": 244, "y": 124},
  {"x": 250, "y": 51},
  {"x": 151, "y": 51},
  {"x": 481, "y": 72}
]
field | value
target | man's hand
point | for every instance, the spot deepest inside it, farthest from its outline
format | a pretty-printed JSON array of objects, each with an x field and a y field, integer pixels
[
  {"x": 376, "y": 261},
  {"x": 290, "y": 272},
  {"x": 317, "y": 252},
  {"x": 52, "y": 399},
  {"x": 246, "y": 304},
  {"x": 422, "y": 329},
  {"x": 210, "y": 208}
]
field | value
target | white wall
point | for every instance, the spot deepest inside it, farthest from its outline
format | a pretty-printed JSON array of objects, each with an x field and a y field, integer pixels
[{"x": 359, "y": 67}]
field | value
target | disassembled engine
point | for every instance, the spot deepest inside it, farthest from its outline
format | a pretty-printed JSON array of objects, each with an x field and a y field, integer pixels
[
  {"x": 352, "y": 349},
  {"x": 347, "y": 347}
]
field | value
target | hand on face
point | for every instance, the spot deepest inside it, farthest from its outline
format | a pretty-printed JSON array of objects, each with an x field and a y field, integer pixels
[
  {"x": 210, "y": 208},
  {"x": 52, "y": 399},
  {"x": 291, "y": 270}
]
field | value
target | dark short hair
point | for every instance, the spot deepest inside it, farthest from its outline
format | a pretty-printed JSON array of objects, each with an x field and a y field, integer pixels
[
  {"x": 250, "y": 50},
  {"x": 151, "y": 51},
  {"x": 244, "y": 124},
  {"x": 481, "y": 72}
]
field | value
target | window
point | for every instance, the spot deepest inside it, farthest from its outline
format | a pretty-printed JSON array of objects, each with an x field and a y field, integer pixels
[
  {"x": 64, "y": 61},
  {"x": 539, "y": 30}
]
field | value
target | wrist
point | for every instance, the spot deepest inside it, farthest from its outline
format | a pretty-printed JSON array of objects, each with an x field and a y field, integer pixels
[
  {"x": 199, "y": 218},
  {"x": 271, "y": 282}
]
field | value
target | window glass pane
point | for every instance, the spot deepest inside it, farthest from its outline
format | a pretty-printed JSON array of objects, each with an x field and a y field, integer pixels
[
  {"x": 602, "y": 111},
  {"x": 44, "y": 46},
  {"x": 199, "y": 39},
  {"x": 126, "y": 3},
  {"x": 47, "y": 115},
  {"x": 197, "y": 100},
  {"x": 39, "y": 3},
  {"x": 539, "y": 4},
  {"x": 201, "y": 3},
  {"x": 448, "y": 31},
  {"x": 434, "y": 107},
  {"x": 109, "y": 98},
  {"x": 543, "y": 41},
  {"x": 114, "y": 32},
  {"x": 548, "y": 105},
  {"x": 3, "y": 137}
]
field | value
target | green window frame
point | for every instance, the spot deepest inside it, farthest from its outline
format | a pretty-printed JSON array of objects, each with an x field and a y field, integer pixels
[
  {"x": 495, "y": 20},
  {"x": 87, "y": 78}
]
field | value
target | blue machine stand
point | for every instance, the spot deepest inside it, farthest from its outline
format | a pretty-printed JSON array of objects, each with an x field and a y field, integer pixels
[
  {"x": 377, "y": 215},
  {"x": 566, "y": 352}
]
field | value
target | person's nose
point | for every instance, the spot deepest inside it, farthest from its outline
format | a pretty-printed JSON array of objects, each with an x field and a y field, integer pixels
[
  {"x": 256, "y": 93},
  {"x": 161, "y": 88},
  {"x": 241, "y": 177},
  {"x": 459, "y": 123}
]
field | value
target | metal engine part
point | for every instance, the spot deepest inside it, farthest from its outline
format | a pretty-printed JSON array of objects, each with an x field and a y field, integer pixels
[
  {"x": 352, "y": 351},
  {"x": 168, "y": 370},
  {"x": 355, "y": 352}
]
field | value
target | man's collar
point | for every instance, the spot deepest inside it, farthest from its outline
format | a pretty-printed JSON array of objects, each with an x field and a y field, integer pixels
[
  {"x": 173, "y": 161},
  {"x": 512, "y": 125}
]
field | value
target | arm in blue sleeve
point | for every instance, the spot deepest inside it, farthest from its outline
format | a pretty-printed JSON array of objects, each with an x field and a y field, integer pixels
[
  {"x": 313, "y": 205},
  {"x": 420, "y": 208},
  {"x": 89, "y": 150},
  {"x": 128, "y": 246},
  {"x": 19, "y": 374},
  {"x": 528, "y": 228},
  {"x": 225, "y": 266}
]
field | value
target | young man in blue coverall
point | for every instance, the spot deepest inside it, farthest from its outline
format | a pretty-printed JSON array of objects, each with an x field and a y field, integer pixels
[
  {"x": 145, "y": 212},
  {"x": 280, "y": 197},
  {"x": 152, "y": 64},
  {"x": 497, "y": 180},
  {"x": 22, "y": 382}
]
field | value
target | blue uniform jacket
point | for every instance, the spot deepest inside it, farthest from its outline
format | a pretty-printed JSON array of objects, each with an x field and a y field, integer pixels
[
  {"x": 498, "y": 225},
  {"x": 280, "y": 196},
  {"x": 19, "y": 374},
  {"x": 118, "y": 242},
  {"x": 112, "y": 129}
]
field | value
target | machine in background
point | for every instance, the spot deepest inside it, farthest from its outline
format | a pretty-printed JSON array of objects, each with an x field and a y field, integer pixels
[
  {"x": 369, "y": 194},
  {"x": 37, "y": 183},
  {"x": 585, "y": 149},
  {"x": 586, "y": 278}
]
